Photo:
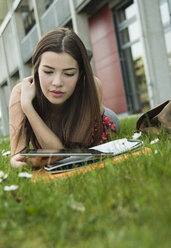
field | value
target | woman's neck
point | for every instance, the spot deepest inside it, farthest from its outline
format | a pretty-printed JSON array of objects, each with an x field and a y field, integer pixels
[{"x": 55, "y": 109}]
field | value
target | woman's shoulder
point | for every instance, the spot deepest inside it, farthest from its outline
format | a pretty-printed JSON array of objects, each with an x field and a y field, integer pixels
[
  {"x": 16, "y": 91},
  {"x": 16, "y": 88},
  {"x": 98, "y": 85},
  {"x": 97, "y": 82},
  {"x": 15, "y": 94}
]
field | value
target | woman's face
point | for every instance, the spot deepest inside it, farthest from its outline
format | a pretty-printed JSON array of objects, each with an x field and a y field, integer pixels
[{"x": 58, "y": 75}]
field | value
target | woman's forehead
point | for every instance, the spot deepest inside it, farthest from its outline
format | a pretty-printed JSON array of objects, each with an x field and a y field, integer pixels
[{"x": 61, "y": 59}]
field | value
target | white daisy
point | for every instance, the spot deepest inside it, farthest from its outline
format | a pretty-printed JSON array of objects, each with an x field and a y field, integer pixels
[
  {"x": 6, "y": 153},
  {"x": 154, "y": 141},
  {"x": 3, "y": 176},
  {"x": 11, "y": 187},
  {"x": 25, "y": 174}
]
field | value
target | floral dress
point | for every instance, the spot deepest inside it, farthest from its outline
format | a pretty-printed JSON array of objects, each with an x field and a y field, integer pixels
[{"x": 108, "y": 128}]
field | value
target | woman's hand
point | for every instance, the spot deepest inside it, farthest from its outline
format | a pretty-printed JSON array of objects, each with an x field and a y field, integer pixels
[
  {"x": 42, "y": 161},
  {"x": 17, "y": 161},
  {"x": 20, "y": 161},
  {"x": 28, "y": 93}
]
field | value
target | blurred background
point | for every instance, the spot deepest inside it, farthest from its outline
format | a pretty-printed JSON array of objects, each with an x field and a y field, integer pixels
[{"x": 130, "y": 41}]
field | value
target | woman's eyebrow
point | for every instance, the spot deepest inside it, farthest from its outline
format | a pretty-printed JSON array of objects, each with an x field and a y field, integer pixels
[
  {"x": 69, "y": 69},
  {"x": 66, "y": 69},
  {"x": 50, "y": 67}
]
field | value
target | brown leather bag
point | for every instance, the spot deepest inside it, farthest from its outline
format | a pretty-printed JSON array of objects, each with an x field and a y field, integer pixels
[{"x": 157, "y": 120}]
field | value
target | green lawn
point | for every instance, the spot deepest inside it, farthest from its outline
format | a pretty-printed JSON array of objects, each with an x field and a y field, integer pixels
[{"x": 122, "y": 205}]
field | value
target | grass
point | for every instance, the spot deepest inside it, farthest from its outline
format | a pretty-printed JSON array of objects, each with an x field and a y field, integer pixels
[{"x": 123, "y": 205}]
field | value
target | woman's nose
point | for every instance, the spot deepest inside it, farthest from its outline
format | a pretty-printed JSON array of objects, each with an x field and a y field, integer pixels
[{"x": 57, "y": 80}]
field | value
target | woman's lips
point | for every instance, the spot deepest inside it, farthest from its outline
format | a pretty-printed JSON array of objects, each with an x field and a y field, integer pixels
[{"x": 56, "y": 93}]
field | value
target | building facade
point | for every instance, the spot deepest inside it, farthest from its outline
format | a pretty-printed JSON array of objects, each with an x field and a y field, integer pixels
[{"x": 130, "y": 41}]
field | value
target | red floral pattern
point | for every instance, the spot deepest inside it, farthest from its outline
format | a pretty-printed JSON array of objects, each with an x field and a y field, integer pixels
[{"x": 108, "y": 127}]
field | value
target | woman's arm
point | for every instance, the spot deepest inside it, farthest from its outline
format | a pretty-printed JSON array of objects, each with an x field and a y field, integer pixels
[
  {"x": 16, "y": 121},
  {"x": 18, "y": 141},
  {"x": 17, "y": 113},
  {"x": 44, "y": 135}
]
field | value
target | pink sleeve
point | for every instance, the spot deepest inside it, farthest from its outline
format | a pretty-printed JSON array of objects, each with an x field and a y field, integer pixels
[{"x": 18, "y": 139}]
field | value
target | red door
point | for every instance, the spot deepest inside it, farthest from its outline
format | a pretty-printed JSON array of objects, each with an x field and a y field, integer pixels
[{"x": 106, "y": 57}]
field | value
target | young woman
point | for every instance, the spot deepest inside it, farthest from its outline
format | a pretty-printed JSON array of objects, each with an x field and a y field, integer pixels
[{"x": 60, "y": 106}]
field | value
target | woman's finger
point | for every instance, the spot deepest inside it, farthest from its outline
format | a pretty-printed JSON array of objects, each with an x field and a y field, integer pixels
[
  {"x": 19, "y": 158},
  {"x": 28, "y": 79},
  {"x": 18, "y": 164}
]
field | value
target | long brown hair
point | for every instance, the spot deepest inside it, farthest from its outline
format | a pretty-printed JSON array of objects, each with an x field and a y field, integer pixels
[{"x": 81, "y": 111}]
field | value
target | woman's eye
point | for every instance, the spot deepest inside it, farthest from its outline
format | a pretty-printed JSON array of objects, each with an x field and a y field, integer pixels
[
  {"x": 48, "y": 72},
  {"x": 69, "y": 74}
]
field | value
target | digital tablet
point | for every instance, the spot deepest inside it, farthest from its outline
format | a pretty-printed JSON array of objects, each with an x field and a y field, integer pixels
[
  {"x": 71, "y": 159},
  {"x": 62, "y": 152}
]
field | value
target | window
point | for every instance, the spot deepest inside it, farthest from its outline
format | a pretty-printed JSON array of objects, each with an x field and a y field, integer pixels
[
  {"x": 29, "y": 20},
  {"x": 131, "y": 57},
  {"x": 48, "y": 3},
  {"x": 28, "y": 17},
  {"x": 165, "y": 9}
]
